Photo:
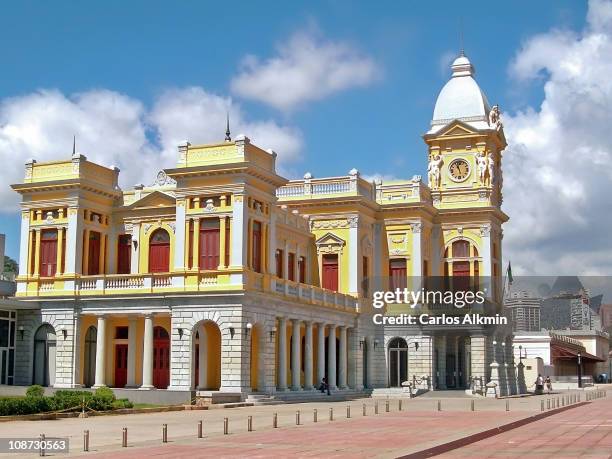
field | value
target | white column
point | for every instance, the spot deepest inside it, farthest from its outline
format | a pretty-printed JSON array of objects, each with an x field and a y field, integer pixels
[
  {"x": 343, "y": 359},
  {"x": 320, "y": 353},
  {"x": 369, "y": 359},
  {"x": 74, "y": 242},
  {"x": 272, "y": 244},
  {"x": 308, "y": 357},
  {"x": 24, "y": 242},
  {"x": 296, "y": 361},
  {"x": 353, "y": 253},
  {"x": 239, "y": 232},
  {"x": 331, "y": 357},
  {"x": 100, "y": 379},
  {"x": 134, "y": 268},
  {"x": 179, "y": 236},
  {"x": 417, "y": 259},
  {"x": 131, "y": 365},
  {"x": 282, "y": 354},
  {"x": 202, "y": 356},
  {"x": 147, "y": 354}
]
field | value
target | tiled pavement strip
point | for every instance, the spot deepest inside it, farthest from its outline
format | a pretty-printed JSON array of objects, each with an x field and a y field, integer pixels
[{"x": 417, "y": 427}]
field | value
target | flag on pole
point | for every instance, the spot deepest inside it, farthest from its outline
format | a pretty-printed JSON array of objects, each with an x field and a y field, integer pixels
[{"x": 509, "y": 274}]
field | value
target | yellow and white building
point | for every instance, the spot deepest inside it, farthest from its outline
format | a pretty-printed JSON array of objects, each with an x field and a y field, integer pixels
[{"x": 222, "y": 275}]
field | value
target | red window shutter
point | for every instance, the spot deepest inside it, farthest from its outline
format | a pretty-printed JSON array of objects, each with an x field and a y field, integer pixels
[
  {"x": 94, "y": 253},
  {"x": 365, "y": 276},
  {"x": 291, "y": 266},
  {"x": 190, "y": 248},
  {"x": 159, "y": 252},
  {"x": 279, "y": 263},
  {"x": 227, "y": 243},
  {"x": 257, "y": 247},
  {"x": 330, "y": 272},
  {"x": 124, "y": 254},
  {"x": 48, "y": 253},
  {"x": 397, "y": 274},
  {"x": 209, "y": 244}
]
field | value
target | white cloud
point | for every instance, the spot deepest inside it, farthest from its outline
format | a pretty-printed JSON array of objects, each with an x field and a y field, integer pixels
[
  {"x": 558, "y": 166},
  {"x": 115, "y": 129},
  {"x": 307, "y": 68},
  {"x": 199, "y": 116}
]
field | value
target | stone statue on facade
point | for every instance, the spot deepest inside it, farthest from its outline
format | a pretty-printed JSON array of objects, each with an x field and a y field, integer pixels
[
  {"x": 491, "y": 168},
  {"x": 495, "y": 117},
  {"x": 433, "y": 171},
  {"x": 482, "y": 165}
]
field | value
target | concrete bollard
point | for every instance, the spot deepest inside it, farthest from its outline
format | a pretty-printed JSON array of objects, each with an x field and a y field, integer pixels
[
  {"x": 314, "y": 415},
  {"x": 86, "y": 440},
  {"x": 275, "y": 420},
  {"x": 399, "y": 405},
  {"x": 250, "y": 424},
  {"x": 199, "y": 429},
  {"x": 542, "y": 405},
  {"x": 439, "y": 405},
  {"x": 331, "y": 414},
  {"x": 348, "y": 411},
  {"x": 225, "y": 426},
  {"x": 165, "y": 433},
  {"x": 124, "y": 438},
  {"x": 42, "y": 451},
  {"x": 557, "y": 402},
  {"x": 507, "y": 405},
  {"x": 375, "y": 407},
  {"x": 548, "y": 404},
  {"x": 297, "y": 418},
  {"x": 387, "y": 406},
  {"x": 472, "y": 405},
  {"x": 364, "y": 409}
]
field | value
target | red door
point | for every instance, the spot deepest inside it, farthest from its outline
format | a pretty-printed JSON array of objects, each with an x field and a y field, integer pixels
[
  {"x": 94, "y": 254},
  {"x": 330, "y": 272},
  {"x": 161, "y": 358},
  {"x": 48, "y": 253},
  {"x": 209, "y": 244},
  {"x": 159, "y": 252},
  {"x": 397, "y": 274},
  {"x": 121, "y": 358},
  {"x": 124, "y": 253}
]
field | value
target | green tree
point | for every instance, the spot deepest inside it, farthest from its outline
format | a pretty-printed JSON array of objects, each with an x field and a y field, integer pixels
[{"x": 10, "y": 265}]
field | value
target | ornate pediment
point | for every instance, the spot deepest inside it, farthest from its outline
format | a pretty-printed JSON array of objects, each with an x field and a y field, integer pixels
[
  {"x": 154, "y": 199},
  {"x": 456, "y": 127},
  {"x": 330, "y": 243}
]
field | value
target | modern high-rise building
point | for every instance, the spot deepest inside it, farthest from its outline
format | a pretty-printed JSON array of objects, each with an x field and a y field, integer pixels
[
  {"x": 222, "y": 275},
  {"x": 524, "y": 309}
]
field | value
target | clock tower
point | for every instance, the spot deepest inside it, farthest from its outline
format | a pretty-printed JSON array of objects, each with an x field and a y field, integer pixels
[{"x": 465, "y": 141}]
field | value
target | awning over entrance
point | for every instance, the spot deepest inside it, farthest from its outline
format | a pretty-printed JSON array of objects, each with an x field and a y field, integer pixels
[{"x": 564, "y": 352}]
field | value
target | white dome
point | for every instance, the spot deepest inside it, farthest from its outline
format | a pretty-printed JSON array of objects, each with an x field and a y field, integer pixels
[{"x": 461, "y": 98}]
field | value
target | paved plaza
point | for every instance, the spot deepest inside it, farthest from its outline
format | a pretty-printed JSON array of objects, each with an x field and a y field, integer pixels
[{"x": 584, "y": 430}]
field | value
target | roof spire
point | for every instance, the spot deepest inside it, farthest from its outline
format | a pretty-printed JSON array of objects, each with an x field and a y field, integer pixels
[
  {"x": 73, "y": 145},
  {"x": 228, "y": 137},
  {"x": 461, "y": 47}
]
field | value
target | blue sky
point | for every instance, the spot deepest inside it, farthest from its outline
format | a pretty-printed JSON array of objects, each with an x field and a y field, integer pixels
[{"x": 141, "y": 49}]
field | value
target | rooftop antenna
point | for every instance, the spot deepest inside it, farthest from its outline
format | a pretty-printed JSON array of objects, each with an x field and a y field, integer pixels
[
  {"x": 462, "y": 50},
  {"x": 228, "y": 138},
  {"x": 73, "y": 145}
]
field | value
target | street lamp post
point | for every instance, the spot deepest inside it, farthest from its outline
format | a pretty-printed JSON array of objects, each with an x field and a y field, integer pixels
[
  {"x": 521, "y": 356},
  {"x": 579, "y": 371}
]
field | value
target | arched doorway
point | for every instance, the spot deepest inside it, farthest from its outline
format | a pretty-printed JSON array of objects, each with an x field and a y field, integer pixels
[
  {"x": 159, "y": 251},
  {"x": 161, "y": 358},
  {"x": 398, "y": 362},
  {"x": 207, "y": 356},
  {"x": 257, "y": 364},
  {"x": 89, "y": 357},
  {"x": 44, "y": 356}
]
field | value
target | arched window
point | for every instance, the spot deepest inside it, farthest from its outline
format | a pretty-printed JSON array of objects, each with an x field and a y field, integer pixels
[
  {"x": 398, "y": 362},
  {"x": 159, "y": 251},
  {"x": 44, "y": 356},
  {"x": 89, "y": 363},
  {"x": 462, "y": 264}
]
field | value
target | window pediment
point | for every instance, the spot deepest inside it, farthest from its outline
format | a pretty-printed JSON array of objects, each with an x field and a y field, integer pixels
[{"x": 330, "y": 243}]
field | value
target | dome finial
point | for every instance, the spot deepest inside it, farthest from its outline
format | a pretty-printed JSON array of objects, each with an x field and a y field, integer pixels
[
  {"x": 228, "y": 137},
  {"x": 461, "y": 47}
]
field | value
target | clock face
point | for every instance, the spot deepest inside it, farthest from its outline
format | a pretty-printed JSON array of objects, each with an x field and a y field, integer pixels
[{"x": 459, "y": 170}]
